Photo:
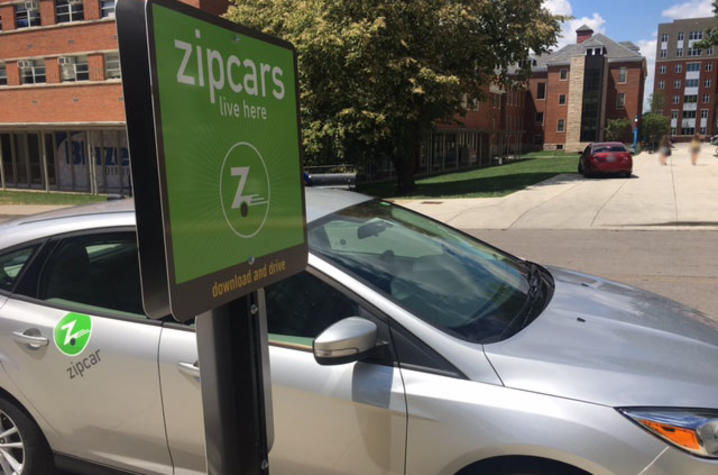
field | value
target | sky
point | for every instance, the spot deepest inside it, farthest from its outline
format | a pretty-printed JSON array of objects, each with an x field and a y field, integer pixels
[{"x": 627, "y": 20}]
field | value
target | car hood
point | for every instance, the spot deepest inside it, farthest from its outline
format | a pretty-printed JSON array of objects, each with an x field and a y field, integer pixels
[{"x": 613, "y": 344}]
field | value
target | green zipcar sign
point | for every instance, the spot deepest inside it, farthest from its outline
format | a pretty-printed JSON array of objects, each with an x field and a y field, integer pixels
[
  {"x": 72, "y": 333},
  {"x": 228, "y": 148}
]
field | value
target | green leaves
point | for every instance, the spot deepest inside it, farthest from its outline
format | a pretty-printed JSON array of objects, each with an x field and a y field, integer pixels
[{"x": 376, "y": 75}]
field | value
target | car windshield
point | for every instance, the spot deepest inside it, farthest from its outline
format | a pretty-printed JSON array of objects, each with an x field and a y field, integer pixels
[
  {"x": 608, "y": 148},
  {"x": 450, "y": 280}
]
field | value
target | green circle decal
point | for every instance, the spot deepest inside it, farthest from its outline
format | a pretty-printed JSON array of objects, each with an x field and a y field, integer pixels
[
  {"x": 72, "y": 333},
  {"x": 244, "y": 190}
]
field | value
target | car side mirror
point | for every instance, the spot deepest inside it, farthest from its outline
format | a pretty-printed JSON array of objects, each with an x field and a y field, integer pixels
[{"x": 347, "y": 340}]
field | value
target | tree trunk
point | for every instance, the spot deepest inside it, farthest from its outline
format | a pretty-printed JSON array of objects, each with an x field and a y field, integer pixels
[{"x": 405, "y": 161}]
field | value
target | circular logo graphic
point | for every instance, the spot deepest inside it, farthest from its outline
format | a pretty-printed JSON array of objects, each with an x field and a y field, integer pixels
[
  {"x": 72, "y": 333},
  {"x": 244, "y": 190}
]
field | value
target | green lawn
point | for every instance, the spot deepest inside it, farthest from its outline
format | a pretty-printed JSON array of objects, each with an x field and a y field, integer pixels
[
  {"x": 41, "y": 198},
  {"x": 485, "y": 182}
]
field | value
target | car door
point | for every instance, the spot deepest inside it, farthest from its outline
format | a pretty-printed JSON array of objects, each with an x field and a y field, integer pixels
[
  {"x": 75, "y": 342},
  {"x": 347, "y": 418}
]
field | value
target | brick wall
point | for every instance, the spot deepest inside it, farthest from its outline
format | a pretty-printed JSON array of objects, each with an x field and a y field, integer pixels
[
  {"x": 632, "y": 90},
  {"x": 100, "y": 102},
  {"x": 554, "y": 110},
  {"x": 534, "y": 106}
]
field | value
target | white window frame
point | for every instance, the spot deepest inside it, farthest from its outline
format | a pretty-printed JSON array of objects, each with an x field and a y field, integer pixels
[
  {"x": 661, "y": 84},
  {"x": 30, "y": 16},
  {"x": 679, "y": 52},
  {"x": 620, "y": 101},
  {"x": 709, "y": 67},
  {"x": 112, "y": 67},
  {"x": 79, "y": 70},
  {"x": 706, "y": 98},
  {"x": 664, "y": 53},
  {"x": 674, "y": 113},
  {"x": 707, "y": 83},
  {"x": 679, "y": 67},
  {"x": 107, "y": 8},
  {"x": 623, "y": 72},
  {"x": 704, "y": 113},
  {"x": 703, "y": 130},
  {"x": 37, "y": 71},
  {"x": 692, "y": 67},
  {"x": 676, "y": 99},
  {"x": 662, "y": 69},
  {"x": 75, "y": 11},
  {"x": 677, "y": 84},
  {"x": 664, "y": 37}
]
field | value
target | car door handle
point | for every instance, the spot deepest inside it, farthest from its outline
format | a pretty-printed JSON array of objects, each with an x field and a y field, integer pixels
[
  {"x": 27, "y": 337},
  {"x": 190, "y": 369}
]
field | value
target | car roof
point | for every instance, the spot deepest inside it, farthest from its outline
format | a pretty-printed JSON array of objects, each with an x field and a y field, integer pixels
[
  {"x": 606, "y": 144},
  {"x": 120, "y": 213}
]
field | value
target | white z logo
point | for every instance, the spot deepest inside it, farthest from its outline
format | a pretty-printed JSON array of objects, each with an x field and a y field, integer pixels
[
  {"x": 68, "y": 332},
  {"x": 242, "y": 173}
]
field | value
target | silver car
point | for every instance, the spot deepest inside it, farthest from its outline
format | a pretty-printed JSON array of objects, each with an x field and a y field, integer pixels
[{"x": 472, "y": 360}]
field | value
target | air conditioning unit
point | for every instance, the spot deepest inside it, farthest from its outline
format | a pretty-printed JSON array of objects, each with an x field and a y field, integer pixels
[
  {"x": 32, "y": 5},
  {"x": 65, "y": 60},
  {"x": 24, "y": 64}
]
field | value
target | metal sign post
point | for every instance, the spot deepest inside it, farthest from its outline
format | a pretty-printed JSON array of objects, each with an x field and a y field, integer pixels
[{"x": 213, "y": 130}]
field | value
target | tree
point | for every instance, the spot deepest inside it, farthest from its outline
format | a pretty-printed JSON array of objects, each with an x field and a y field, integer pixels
[
  {"x": 658, "y": 102},
  {"x": 618, "y": 129},
  {"x": 653, "y": 128},
  {"x": 711, "y": 36},
  {"x": 376, "y": 75}
]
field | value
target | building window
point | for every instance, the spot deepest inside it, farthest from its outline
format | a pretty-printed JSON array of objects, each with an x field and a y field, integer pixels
[
  {"x": 704, "y": 113},
  {"x": 622, "y": 73},
  {"x": 703, "y": 130},
  {"x": 710, "y": 51},
  {"x": 688, "y": 131},
  {"x": 706, "y": 98},
  {"x": 695, "y": 35},
  {"x": 679, "y": 52},
  {"x": 707, "y": 83},
  {"x": 661, "y": 84},
  {"x": 564, "y": 74},
  {"x": 3, "y": 74},
  {"x": 539, "y": 118},
  {"x": 662, "y": 69},
  {"x": 677, "y": 84},
  {"x": 74, "y": 68},
  {"x": 620, "y": 100},
  {"x": 689, "y": 114},
  {"x": 561, "y": 125},
  {"x": 674, "y": 131},
  {"x": 26, "y": 17},
  {"x": 69, "y": 10},
  {"x": 679, "y": 68},
  {"x": 690, "y": 99},
  {"x": 690, "y": 83},
  {"x": 680, "y": 36},
  {"x": 562, "y": 99},
  {"x": 709, "y": 67},
  {"x": 693, "y": 67},
  {"x": 664, "y": 38},
  {"x": 112, "y": 70},
  {"x": 664, "y": 53},
  {"x": 674, "y": 114},
  {"x": 32, "y": 71},
  {"x": 107, "y": 8},
  {"x": 694, "y": 51},
  {"x": 541, "y": 92},
  {"x": 676, "y": 99}
]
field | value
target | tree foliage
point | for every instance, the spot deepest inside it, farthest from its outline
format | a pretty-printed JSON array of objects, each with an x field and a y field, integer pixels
[
  {"x": 376, "y": 75},
  {"x": 711, "y": 36},
  {"x": 653, "y": 128},
  {"x": 658, "y": 102},
  {"x": 618, "y": 129}
]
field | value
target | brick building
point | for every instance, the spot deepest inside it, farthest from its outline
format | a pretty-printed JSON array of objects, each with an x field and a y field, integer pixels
[
  {"x": 61, "y": 95},
  {"x": 572, "y": 92},
  {"x": 686, "y": 76}
]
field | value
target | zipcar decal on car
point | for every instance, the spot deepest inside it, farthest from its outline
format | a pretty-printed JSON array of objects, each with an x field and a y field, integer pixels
[{"x": 72, "y": 335}]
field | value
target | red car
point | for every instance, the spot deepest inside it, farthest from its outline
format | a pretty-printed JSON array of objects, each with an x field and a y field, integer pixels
[{"x": 605, "y": 158}]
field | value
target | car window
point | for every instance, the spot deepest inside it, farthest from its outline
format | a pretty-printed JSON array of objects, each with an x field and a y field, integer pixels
[
  {"x": 454, "y": 282},
  {"x": 301, "y": 307},
  {"x": 11, "y": 264},
  {"x": 94, "y": 273},
  {"x": 609, "y": 148}
]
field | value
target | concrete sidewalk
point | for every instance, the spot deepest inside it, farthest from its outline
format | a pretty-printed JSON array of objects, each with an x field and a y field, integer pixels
[
  {"x": 667, "y": 197},
  {"x": 8, "y": 212}
]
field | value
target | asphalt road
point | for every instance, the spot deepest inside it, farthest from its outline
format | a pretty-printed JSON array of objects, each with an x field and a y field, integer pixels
[{"x": 680, "y": 265}]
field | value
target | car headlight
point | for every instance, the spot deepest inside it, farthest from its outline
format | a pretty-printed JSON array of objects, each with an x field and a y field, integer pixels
[{"x": 693, "y": 430}]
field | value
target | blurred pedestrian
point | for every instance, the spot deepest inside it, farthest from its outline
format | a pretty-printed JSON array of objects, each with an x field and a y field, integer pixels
[
  {"x": 695, "y": 148},
  {"x": 664, "y": 150}
]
